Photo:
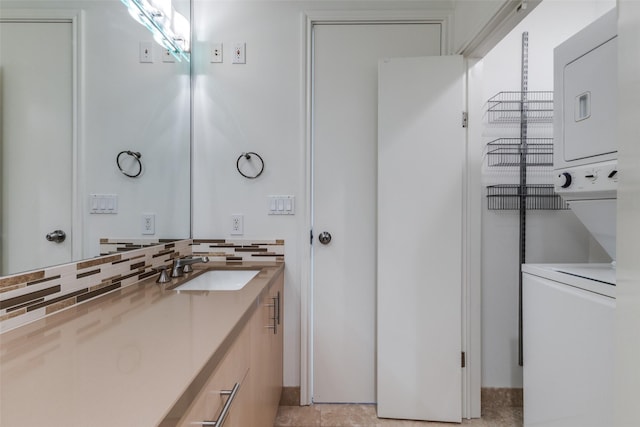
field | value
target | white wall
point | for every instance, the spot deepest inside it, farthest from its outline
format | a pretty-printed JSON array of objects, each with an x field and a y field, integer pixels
[
  {"x": 628, "y": 267},
  {"x": 552, "y": 236},
  {"x": 133, "y": 106}
]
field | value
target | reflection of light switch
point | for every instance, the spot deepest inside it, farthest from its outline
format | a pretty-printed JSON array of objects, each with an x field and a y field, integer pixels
[
  {"x": 167, "y": 56},
  {"x": 272, "y": 204},
  {"x": 146, "y": 52},
  {"x": 280, "y": 204},
  {"x": 287, "y": 205},
  {"x": 216, "y": 52}
]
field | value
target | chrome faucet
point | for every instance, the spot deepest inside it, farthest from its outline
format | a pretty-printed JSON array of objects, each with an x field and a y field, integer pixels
[{"x": 183, "y": 265}]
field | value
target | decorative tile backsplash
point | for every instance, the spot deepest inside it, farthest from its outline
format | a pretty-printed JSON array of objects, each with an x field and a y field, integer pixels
[
  {"x": 112, "y": 246},
  {"x": 239, "y": 250},
  {"x": 28, "y": 296}
]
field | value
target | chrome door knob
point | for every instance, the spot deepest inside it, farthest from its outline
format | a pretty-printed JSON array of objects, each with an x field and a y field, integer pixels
[
  {"x": 57, "y": 236},
  {"x": 324, "y": 237}
]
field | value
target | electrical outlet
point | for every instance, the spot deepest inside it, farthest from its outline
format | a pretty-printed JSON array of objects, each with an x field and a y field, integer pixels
[
  {"x": 146, "y": 52},
  {"x": 148, "y": 224},
  {"x": 237, "y": 225},
  {"x": 239, "y": 53},
  {"x": 216, "y": 52}
]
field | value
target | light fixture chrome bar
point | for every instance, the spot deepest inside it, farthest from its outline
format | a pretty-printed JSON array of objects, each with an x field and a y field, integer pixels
[{"x": 175, "y": 44}]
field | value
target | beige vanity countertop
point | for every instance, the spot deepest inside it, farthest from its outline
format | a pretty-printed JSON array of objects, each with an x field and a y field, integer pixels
[{"x": 124, "y": 359}]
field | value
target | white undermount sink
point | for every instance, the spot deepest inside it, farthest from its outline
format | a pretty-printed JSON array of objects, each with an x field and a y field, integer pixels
[{"x": 219, "y": 280}]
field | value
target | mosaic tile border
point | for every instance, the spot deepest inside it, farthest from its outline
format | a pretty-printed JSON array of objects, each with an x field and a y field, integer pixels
[
  {"x": 28, "y": 296},
  {"x": 112, "y": 246},
  {"x": 236, "y": 250}
]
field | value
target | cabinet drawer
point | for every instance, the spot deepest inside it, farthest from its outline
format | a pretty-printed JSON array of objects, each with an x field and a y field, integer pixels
[{"x": 232, "y": 370}]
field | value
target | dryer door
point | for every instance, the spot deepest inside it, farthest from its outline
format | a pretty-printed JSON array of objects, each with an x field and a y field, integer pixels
[{"x": 590, "y": 87}]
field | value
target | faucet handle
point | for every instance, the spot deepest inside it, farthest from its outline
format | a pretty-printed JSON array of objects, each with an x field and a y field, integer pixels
[
  {"x": 163, "y": 277},
  {"x": 187, "y": 268}
]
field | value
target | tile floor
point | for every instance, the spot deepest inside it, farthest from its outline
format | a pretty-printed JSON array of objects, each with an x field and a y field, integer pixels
[{"x": 329, "y": 415}]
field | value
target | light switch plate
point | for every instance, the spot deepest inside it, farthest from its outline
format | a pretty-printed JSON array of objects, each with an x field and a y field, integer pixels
[
  {"x": 281, "y": 205},
  {"x": 146, "y": 51},
  {"x": 239, "y": 53},
  {"x": 167, "y": 56},
  {"x": 103, "y": 203},
  {"x": 216, "y": 52}
]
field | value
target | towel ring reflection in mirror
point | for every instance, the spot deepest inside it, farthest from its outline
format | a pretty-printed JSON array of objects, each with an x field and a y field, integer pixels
[
  {"x": 136, "y": 156},
  {"x": 248, "y": 156}
]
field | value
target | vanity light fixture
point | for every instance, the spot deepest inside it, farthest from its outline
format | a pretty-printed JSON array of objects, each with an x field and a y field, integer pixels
[{"x": 169, "y": 28}]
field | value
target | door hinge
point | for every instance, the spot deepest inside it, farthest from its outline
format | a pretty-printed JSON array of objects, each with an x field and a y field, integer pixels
[
  {"x": 464, "y": 361},
  {"x": 465, "y": 119},
  {"x": 311, "y": 237}
]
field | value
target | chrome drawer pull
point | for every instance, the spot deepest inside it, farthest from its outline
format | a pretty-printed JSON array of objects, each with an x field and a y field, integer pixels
[
  {"x": 276, "y": 313},
  {"x": 225, "y": 409}
]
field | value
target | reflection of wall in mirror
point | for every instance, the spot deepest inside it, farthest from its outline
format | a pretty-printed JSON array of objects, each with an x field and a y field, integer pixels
[
  {"x": 37, "y": 136},
  {"x": 127, "y": 105}
]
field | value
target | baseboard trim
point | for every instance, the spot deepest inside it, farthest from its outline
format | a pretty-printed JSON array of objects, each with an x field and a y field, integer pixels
[{"x": 493, "y": 397}]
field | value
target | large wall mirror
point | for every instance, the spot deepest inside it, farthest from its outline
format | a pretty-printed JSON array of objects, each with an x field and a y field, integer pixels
[{"x": 77, "y": 89}]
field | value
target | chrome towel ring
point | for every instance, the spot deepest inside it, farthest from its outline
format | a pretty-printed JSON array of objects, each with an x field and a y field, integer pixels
[
  {"x": 136, "y": 155},
  {"x": 248, "y": 156}
]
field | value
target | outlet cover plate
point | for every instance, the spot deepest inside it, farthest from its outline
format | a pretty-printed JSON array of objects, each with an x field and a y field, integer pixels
[
  {"x": 148, "y": 223},
  {"x": 237, "y": 225}
]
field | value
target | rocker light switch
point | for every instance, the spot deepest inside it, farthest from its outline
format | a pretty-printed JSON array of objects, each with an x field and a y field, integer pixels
[
  {"x": 282, "y": 205},
  {"x": 103, "y": 203}
]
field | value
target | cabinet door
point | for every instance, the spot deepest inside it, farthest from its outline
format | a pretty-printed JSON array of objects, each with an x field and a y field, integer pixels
[
  {"x": 266, "y": 355},
  {"x": 276, "y": 347}
]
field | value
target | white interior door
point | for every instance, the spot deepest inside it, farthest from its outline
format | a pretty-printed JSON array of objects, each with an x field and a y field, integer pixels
[
  {"x": 421, "y": 157},
  {"x": 36, "y": 142},
  {"x": 345, "y": 79}
]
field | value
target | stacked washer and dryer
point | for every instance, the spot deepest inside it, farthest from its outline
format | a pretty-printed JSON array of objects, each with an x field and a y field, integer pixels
[{"x": 568, "y": 310}]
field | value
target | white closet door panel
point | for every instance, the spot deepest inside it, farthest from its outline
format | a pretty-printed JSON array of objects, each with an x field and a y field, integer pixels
[{"x": 421, "y": 153}]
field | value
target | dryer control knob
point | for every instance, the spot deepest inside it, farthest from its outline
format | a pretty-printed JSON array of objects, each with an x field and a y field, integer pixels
[
  {"x": 564, "y": 180},
  {"x": 591, "y": 176}
]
